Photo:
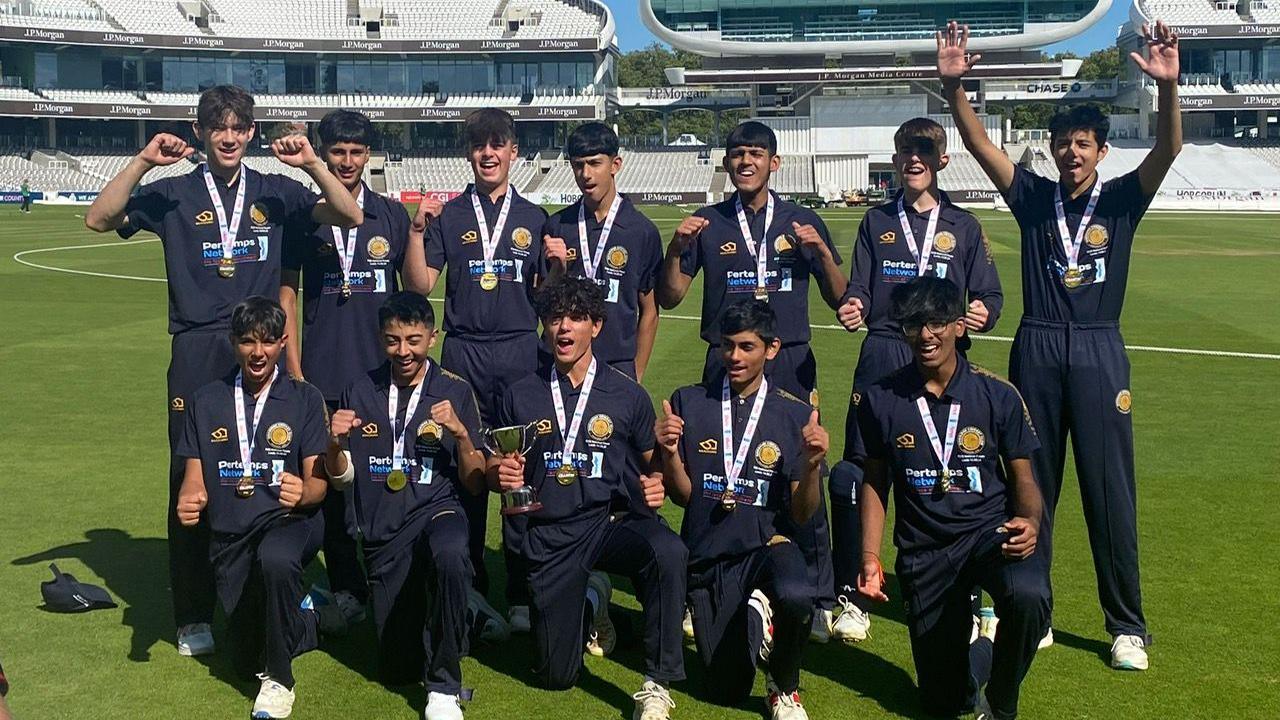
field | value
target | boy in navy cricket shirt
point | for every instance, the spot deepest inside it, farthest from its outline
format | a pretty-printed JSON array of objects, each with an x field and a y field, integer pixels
[
  {"x": 917, "y": 233},
  {"x": 755, "y": 245},
  {"x": 593, "y": 440},
  {"x": 737, "y": 453},
  {"x": 344, "y": 275},
  {"x": 608, "y": 240},
  {"x": 954, "y": 442},
  {"x": 222, "y": 227},
  {"x": 1068, "y": 357},
  {"x": 250, "y": 444},
  {"x": 489, "y": 242},
  {"x": 404, "y": 503}
]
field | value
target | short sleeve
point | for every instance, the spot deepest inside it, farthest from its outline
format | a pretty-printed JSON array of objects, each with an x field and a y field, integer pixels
[
  {"x": 298, "y": 248},
  {"x": 189, "y": 442},
  {"x": 872, "y": 434},
  {"x": 650, "y": 257},
  {"x": 433, "y": 241},
  {"x": 468, "y": 410},
  {"x": 677, "y": 407},
  {"x": 691, "y": 257},
  {"x": 147, "y": 208},
  {"x": 1134, "y": 204},
  {"x": 815, "y": 267},
  {"x": 298, "y": 200},
  {"x": 1017, "y": 435},
  {"x": 983, "y": 281},
  {"x": 854, "y": 449},
  {"x": 550, "y": 228},
  {"x": 399, "y": 221},
  {"x": 1024, "y": 191},
  {"x": 643, "y": 421},
  {"x": 863, "y": 264},
  {"x": 314, "y": 436}
]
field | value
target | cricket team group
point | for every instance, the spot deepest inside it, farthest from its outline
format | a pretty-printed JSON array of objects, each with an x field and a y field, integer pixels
[{"x": 337, "y": 430}]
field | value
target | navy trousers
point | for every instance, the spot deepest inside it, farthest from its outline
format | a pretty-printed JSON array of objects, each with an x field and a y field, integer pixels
[{"x": 1075, "y": 378}]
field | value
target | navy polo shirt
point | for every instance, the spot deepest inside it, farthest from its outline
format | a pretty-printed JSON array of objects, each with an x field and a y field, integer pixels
[
  {"x": 993, "y": 426},
  {"x": 628, "y": 269},
  {"x": 179, "y": 210},
  {"x": 961, "y": 253},
  {"x": 375, "y": 512},
  {"x": 1104, "y": 253},
  {"x": 731, "y": 269},
  {"x": 453, "y": 240},
  {"x": 616, "y": 431},
  {"x": 775, "y": 460},
  {"x": 292, "y": 427},
  {"x": 341, "y": 340}
]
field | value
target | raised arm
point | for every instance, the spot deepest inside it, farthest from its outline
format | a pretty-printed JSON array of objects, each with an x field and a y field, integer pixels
[
  {"x": 338, "y": 208},
  {"x": 1161, "y": 65},
  {"x": 107, "y": 212},
  {"x": 805, "y": 492},
  {"x": 417, "y": 275},
  {"x": 952, "y": 66},
  {"x": 674, "y": 283}
]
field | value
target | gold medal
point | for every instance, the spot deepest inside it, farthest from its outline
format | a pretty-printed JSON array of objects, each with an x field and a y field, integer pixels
[
  {"x": 944, "y": 480},
  {"x": 396, "y": 480},
  {"x": 244, "y": 488},
  {"x": 488, "y": 281},
  {"x": 226, "y": 268},
  {"x": 762, "y": 294},
  {"x": 1072, "y": 278},
  {"x": 727, "y": 501},
  {"x": 566, "y": 474},
  {"x": 346, "y": 289}
]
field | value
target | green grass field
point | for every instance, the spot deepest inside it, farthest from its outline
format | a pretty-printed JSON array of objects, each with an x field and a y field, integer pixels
[{"x": 83, "y": 457}]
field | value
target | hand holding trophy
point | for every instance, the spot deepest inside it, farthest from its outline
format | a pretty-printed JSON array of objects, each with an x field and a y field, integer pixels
[{"x": 512, "y": 443}]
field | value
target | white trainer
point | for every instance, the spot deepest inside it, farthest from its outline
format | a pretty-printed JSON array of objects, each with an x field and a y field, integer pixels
[
  {"x": 852, "y": 623},
  {"x": 492, "y": 628},
  {"x": 820, "y": 628},
  {"x": 603, "y": 635},
  {"x": 1129, "y": 652},
  {"x": 687, "y": 624},
  {"x": 274, "y": 700},
  {"x": 783, "y": 706},
  {"x": 1047, "y": 640},
  {"x": 987, "y": 623},
  {"x": 351, "y": 608},
  {"x": 653, "y": 702},
  {"x": 195, "y": 640},
  {"x": 441, "y": 706},
  {"x": 518, "y": 618},
  {"x": 759, "y": 602}
]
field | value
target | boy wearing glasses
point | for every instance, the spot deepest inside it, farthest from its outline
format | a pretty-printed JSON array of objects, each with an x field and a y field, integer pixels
[
  {"x": 955, "y": 443},
  {"x": 917, "y": 234}
]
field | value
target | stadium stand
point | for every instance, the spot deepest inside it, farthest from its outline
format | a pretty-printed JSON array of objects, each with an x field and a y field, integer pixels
[
  {"x": 487, "y": 19},
  {"x": 62, "y": 14},
  {"x": 794, "y": 176},
  {"x": 116, "y": 97},
  {"x": 1201, "y": 12},
  {"x": 17, "y": 93},
  {"x": 447, "y": 172},
  {"x": 162, "y": 17},
  {"x": 665, "y": 171},
  {"x": 284, "y": 18}
]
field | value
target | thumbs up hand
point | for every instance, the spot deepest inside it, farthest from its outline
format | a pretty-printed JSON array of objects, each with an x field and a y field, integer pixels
[
  {"x": 816, "y": 440},
  {"x": 670, "y": 429}
]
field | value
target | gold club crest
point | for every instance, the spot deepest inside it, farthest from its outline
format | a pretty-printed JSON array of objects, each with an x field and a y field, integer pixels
[
  {"x": 429, "y": 431},
  {"x": 855, "y": 398},
  {"x": 768, "y": 453},
  {"x": 906, "y": 441},
  {"x": 543, "y": 426},
  {"x": 888, "y": 238},
  {"x": 972, "y": 440},
  {"x": 600, "y": 427},
  {"x": 944, "y": 242},
  {"x": 257, "y": 216},
  {"x": 204, "y": 218},
  {"x": 729, "y": 248},
  {"x": 813, "y": 397},
  {"x": 617, "y": 257},
  {"x": 1124, "y": 401},
  {"x": 783, "y": 244},
  {"x": 571, "y": 254},
  {"x": 521, "y": 238},
  {"x": 378, "y": 248},
  {"x": 708, "y": 446},
  {"x": 1096, "y": 236},
  {"x": 219, "y": 435},
  {"x": 177, "y": 404},
  {"x": 369, "y": 430},
  {"x": 469, "y": 237},
  {"x": 279, "y": 435}
]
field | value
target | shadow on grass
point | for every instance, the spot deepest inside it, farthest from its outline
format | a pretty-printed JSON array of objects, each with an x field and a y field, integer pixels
[{"x": 1098, "y": 647}]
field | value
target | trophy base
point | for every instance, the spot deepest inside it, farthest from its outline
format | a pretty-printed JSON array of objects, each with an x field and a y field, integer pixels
[{"x": 520, "y": 509}]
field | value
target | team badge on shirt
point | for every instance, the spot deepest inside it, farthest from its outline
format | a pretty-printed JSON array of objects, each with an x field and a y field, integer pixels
[
  {"x": 521, "y": 238},
  {"x": 571, "y": 254},
  {"x": 469, "y": 237},
  {"x": 813, "y": 397},
  {"x": 890, "y": 238},
  {"x": 378, "y": 248},
  {"x": 219, "y": 435},
  {"x": 429, "y": 432},
  {"x": 783, "y": 244},
  {"x": 1124, "y": 401},
  {"x": 204, "y": 217},
  {"x": 708, "y": 446},
  {"x": 617, "y": 257},
  {"x": 369, "y": 430},
  {"x": 600, "y": 428},
  {"x": 855, "y": 398},
  {"x": 944, "y": 242},
  {"x": 177, "y": 404},
  {"x": 972, "y": 440},
  {"x": 1096, "y": 236},
  {"x": 906, "y": 441},
  {"x": 257, "y": 215},
  {"x": 767, "y": 454},
  {"x": 279, "y": 435},
  {"x": 729, "y": 248},
  {"x": 543, "y": 426}
]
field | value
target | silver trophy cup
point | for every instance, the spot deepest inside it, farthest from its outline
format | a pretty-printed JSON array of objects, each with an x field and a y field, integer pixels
[{"x": 513, "y": 440}]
